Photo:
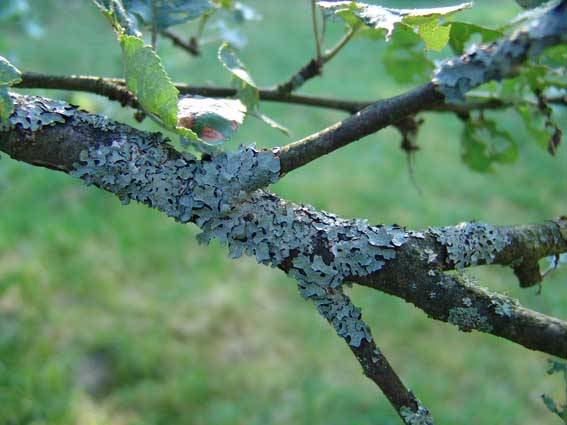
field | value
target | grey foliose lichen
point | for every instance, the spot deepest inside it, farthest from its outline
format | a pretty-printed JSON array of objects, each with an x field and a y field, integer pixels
[
  {"x": 33, "y": 112},
  {"x": 220, "y": 196},
  {"x": 471, "y": 243},
  {"x": 469, "y": 318},
  {"x": 455, "y": 77},
  {"x": 420, "y": 417}
]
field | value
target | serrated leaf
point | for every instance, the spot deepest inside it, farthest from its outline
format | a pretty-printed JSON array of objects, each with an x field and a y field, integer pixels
[
  {"x": 404, "y": 58},
  {"x": 6, "y": 104},
  {"x": 461, "y": 33},
  {"x": 167, "y": 12},
  {"x": 9, "y": 74},
  {"x": 484, "y": 144},
  {"x": 147, "y": 79},
  {"x": 213, "y": 120},
  {"x": 427, "y": 22}
]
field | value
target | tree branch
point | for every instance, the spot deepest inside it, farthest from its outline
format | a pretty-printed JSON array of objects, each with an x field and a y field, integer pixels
[
  {"x": 190, "y": 46},
  {"x": 375, "y": 365},
  {"x": 369, "y": 120},
  {"x": 314, "y": 67},
  {"x": 453, "y": 79},
  {"x": 320, "y": 250}
]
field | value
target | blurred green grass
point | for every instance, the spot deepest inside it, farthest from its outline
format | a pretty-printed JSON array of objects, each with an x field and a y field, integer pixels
[{"x": 115, "y": 315}]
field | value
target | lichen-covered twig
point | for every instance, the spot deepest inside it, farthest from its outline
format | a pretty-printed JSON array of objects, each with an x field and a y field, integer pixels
[
  {"x": 320, "y": 250},
  {"x": 451, "y": 82},
  {"x": 502, "y": 58},
  {"x": 333, "y": 305}
]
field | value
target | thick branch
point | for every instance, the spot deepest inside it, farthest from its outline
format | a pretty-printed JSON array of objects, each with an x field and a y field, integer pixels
[{"x": 319, "y": 249}]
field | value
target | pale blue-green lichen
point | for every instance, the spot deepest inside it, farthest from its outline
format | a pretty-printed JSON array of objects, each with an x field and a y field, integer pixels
[
  {"x": 419, "y": 417},
  {"x": 503, "y": 306},
  {"x": 471, "y": 243},
  {"x": 500, "y": 59},
  {"x": 469, "y": 318},
  {"x": 34, "y": 112},
  {"x": 220, "y": 196}
]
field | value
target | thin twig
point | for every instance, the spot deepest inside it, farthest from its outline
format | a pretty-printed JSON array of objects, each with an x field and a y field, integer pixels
[
  {"x": 190, "y": 47},
  {"x": 331, "y": 53},
  {"x": 313, "y": 68},
  {"x": 315, "y": 29}
]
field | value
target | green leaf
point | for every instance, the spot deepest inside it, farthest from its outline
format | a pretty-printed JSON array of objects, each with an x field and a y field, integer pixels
[
  {"x": 9, "y": 74},
  {"x": 117, "y": 15},
  {"x": 434, "y": 35},
  {"x": 404, "y": 58},
  {"x": 461, "y": 33},
  {"x": 148, "y": 80},
  {"x": 6, "y": 104},
  {"x": 535, "y": 124},
  {"x": 167, "y": 12},
  {"x": 247, "y": 89},
  {"x": 213, "y": 120},
  {"x": 484, "y": 144},
  {"x": 426, "y": 22}
]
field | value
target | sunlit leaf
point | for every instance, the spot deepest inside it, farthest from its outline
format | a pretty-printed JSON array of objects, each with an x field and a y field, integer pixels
[
  {"x": 428, "y": 23},
  {"x": 9, "y": 74},
  {"x": 147, "y": 79},
  {"x": 213, "y": 120}
]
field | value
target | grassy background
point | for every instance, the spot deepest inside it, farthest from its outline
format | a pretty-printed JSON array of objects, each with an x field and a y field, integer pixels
[{"x": 115, "y": 315}]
